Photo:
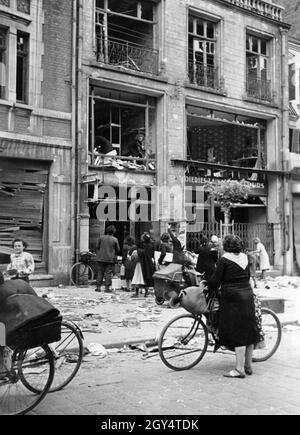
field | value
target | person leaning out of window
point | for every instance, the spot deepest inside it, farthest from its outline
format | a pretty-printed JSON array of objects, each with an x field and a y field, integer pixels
[{"x": 21, "y": 262}]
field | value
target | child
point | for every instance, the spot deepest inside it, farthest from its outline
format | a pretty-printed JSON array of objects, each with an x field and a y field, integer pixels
[{"x": 21, "y": 263}]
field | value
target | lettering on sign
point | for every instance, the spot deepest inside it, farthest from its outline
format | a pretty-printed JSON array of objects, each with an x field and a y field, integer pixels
[{"x": 258, "y": 187}]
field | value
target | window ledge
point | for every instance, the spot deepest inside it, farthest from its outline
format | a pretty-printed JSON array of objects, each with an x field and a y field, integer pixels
[
  {"x": 131, "y": 171},
  {"x": 15, "y": 105},
  {"x": 15, "y": 15},
  {"x": 23, "y": 106},
  {"x": 128, "y": 71},
  {"x": 260, "y": 101},
  {"x": 221, "y": 92}
]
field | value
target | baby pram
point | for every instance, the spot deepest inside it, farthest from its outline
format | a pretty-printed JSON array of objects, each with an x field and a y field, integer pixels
[{"x": 169, "y": 281}]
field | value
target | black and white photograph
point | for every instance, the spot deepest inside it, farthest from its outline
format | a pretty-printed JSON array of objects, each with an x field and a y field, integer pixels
[{"x": 149, "y": 210}]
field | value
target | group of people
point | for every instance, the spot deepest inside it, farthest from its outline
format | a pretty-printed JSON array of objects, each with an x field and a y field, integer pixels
[
  {"x": 138, "y": 258},
  {"x": 226, "y": 268},
  {"x": 210, "y": 252}
]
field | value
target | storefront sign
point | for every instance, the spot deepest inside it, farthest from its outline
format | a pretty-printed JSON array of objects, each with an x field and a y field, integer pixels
[{"x": 257, "y": 188}]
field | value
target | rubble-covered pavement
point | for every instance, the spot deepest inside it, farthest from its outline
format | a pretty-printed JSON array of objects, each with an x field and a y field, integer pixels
[{"x": 117, "y": 320}]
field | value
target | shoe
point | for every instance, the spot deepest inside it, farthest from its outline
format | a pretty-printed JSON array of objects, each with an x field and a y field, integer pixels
[
  {"x": 135, "y": 296},
  {"x": 108, "y": 291},
  {"x": 235, "y": 374},
  {"x": 216, "y": 347},
  {"x": 97, "y": 289},
  {"x": 248, "y": 371}
]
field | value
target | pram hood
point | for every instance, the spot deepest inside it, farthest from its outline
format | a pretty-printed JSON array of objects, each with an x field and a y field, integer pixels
[{"x": 172, "y": 272}]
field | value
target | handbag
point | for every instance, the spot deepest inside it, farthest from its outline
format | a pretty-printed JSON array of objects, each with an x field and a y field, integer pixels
[{"x": 193, "y": 299}]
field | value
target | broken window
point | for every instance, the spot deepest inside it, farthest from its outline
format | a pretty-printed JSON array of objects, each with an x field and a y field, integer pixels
[
  {"x": 3, "y": 57},
  {"x": 122, "y": 130},
  {"x": 226, "y": 139},
  {"x": 5, "y": 3},
  {"x": 258, "y": 68},
  {"x": 22, "y": 67},
  {"x": 125, "y": 34},
  {"x": 202, "y": 52}
]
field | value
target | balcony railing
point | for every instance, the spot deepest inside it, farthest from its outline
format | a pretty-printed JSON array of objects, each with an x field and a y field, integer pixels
[
  {"x": 259, "y": 89},
  {"x": 122, "y": 163},
  {"x": 260, "y": 7},
  {"x": 203, "y": 75},
  {"x": 127, "y": 55}
]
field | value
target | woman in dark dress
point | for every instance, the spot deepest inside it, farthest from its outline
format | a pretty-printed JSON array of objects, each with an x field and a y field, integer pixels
[
  {"x": 207, "y": 259},
  {"x": 238, "y": 330}
]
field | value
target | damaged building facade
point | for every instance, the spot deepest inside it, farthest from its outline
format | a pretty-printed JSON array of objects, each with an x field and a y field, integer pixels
[
  {"x": 36, "y": 153},
  {"x": 173, "y": 94},
  {"x": 120, "y": 111}
]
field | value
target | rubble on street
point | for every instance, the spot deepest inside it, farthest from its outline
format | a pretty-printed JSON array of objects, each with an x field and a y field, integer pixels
[{"x": 117, "y": 322}]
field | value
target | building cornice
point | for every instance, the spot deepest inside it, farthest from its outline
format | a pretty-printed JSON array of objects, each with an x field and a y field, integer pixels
[{"x": 264, "y": 9}]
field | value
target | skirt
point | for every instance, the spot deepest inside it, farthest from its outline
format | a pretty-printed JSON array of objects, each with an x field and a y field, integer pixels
[
  {"x": 237, "y": 318},
  {"x": 138, "y": 278}
]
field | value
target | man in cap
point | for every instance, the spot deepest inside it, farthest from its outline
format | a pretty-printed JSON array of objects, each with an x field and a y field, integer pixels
[{"x": 107, "y": 250}]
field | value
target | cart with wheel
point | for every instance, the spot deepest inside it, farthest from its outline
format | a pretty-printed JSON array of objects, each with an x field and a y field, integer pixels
[{"x": 170, "y": 280}]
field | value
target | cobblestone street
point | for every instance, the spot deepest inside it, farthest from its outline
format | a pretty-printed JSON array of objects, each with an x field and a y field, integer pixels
[{"x": 125, "y": 384}]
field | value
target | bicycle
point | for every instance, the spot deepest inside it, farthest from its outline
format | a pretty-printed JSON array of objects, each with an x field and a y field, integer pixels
[
  {"x": 184, "y": 340},
  {"x": 67, "y": 354},
  {"x": 32, "y": 373},
  {"x": 83, "y": 272},
  {"x": 27, "y": 367}
]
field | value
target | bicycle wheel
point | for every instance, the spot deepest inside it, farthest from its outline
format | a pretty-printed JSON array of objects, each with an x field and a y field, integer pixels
[
  {"x": 81, "y": 274},
  {"x": 183, "y": 342},
  {"x": 68, "y": 355},
  {"x": 273, "y": 332},
  {"x": 34, "y": 367}
]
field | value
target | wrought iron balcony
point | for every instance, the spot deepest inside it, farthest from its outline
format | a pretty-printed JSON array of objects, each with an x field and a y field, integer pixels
[
  {"x": 261, "y": 7},
  {"x": 203, "y": 75},
  {"x": 259, "y": 89},
  {"x": 127, "y": 55}
]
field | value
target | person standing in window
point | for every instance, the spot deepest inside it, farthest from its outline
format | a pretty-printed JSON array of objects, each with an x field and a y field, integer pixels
[{"x": 21, "y": 262}]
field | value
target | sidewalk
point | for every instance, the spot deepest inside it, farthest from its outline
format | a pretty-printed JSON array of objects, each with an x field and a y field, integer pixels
[{"x": 116, "y": 320}]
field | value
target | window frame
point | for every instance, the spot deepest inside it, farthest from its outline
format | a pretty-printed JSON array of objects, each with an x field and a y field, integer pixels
[
  {"x": 3, "y": 52},
  {"x": 260, "y": 57},
  {"x": 217, "y": 23},
  {"x": 24, "y": 80},
  {"x": 147, "y": 105}
]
